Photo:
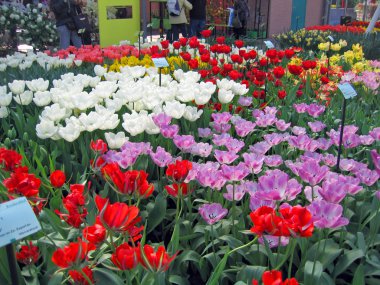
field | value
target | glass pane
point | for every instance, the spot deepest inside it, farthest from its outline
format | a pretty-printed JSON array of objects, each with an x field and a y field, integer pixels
[{"x": 119, "y": 12}]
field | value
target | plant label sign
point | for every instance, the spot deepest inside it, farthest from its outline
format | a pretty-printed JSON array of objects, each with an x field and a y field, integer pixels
[
  {"x": 269, "y": 44},
  {"x": 330, "y": 38},
  {"x": 17, "y": 220},
  {"x": 347, "y": 90},
  {"x": 160, "y": 62}
]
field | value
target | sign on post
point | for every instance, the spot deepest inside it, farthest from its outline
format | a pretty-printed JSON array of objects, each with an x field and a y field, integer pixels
[{"x": 17, "y": 220}]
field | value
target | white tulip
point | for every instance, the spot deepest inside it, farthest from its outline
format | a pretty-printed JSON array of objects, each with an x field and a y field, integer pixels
[
  {"x": 114, "y": 104},
  {"x": 55, "y": 112},
  {"x": 112, "y": 76},
  {"x": 38, "y": 85},
  {"x": 186, "y": 92},
  {"x": 3, "y": 112},
  {"x": 46, "y": 129},
  {"x": 207, "y": 87},
  {"x": 91, "y": 122},
  {"x": 202, "y": 98},
  {"x": 150, "y": 127},
  {"x": 78, "y": 62},
  {"x": 94, "y": 81},
  {"x": 110, "y": 122},
  {"x": 17, "y": 86},
  {"x": 99, "y": 70},
  {"x": 115, "y": 141},
  {"x": 24, "y": 98},
  {"x": 69, "y": 133},
  {"x": 3, "y": 67},
  {"x": 225, "y": 96},
  {"x": 174, "y": 109},
  {"x": 136, "y": 106},
  {"x": 225, "y": 84},
  {"x": 239, "y": 89},
  {"x": 192, "y": 113},
  {"x": 83, "y": 101},
  {"x": 135, "y": 123},
  {"x": 191, "y": 77},
  {"x": 5, "y": 99},
  {"x": 42, "y": 98}
]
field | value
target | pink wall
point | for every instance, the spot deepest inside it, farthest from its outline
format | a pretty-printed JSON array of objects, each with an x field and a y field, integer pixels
[
  {"x": 280, "y": 16},
  {"x": 314, "y": 12}
]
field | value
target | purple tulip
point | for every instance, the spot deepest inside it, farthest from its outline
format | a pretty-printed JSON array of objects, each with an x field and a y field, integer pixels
[
  {"x": 161, "y": 120},
  {"x": 169, "y": 131},
  {"x": 221, "y": 128},
  {"x": 235, "y": 145},
  {"x": 239, "y": 192},
  {"x": 376, "y": 160},
  {"x": 274, "y": 241},
  {"x": 274, "y": 139},
  {"x": 298, "y": 130},
  {"x": 212, "y": 213},
  {"x": 254, "y": 162},
  {"x": 347, "y": 164},
  {"x": 312, "y": 193},
  {"x": 161, "y": 157},
  {"x": 225, "y": 157},
  {"x": 244, "y": 128},
  {"x": 201, "y": 149},
  {"x": 315, "y": 110},
  {"x": 221, "y": 140},
  {"x": 281, "y": 125},
  {"x": 366, "y": 140},
  {"x": 273, "y": 160},
  {"x": 375, "y": 133},
  {"x": 235, "y": 173},
  {"x": 184, "y": 142},
  {"x": 255, "y": 203},
  {"x": 221, "y": 118},
  {"x": 367, "y": 176},
  {"x": 311, "y": 172},
  {"x": 316, "y": 126},
  {"x": 245, "y": 101},
  {"x": 260, "y": 147},
  {"x": 275, "y": 185},
  {"x": 324, "y": 144},
  {"x": 204, "y": 133},
  {"x": 330, "y": 160},
  {"x": 327, "y": 215},
  {"x": 300, "y": 108}
]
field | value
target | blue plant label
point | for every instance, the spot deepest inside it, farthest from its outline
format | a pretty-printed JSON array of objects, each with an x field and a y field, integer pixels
[
  {"x": 330, "y": 38},
  {"x": 347, "y": 90},
  {"x": 17, "y": 220},
  {"x": 269, "y": 44},
  {"x": 160, "y": 62}
]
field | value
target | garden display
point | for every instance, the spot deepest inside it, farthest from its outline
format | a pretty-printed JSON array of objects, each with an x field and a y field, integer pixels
[{"x": 233, "y": 165}]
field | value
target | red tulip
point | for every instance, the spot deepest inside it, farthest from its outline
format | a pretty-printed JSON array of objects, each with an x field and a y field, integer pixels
[
  {"x": 206, "y": 33},
  {"x": 175, "y": 189},
  {"x": 9, "y": 159},
  {"x": 72, "y": 255},
  {"x": 126, "y": 257},
  {"x": 57, "y": 178},
  {"x": 165, "y": 44},
  {"x": 183, "y": 41},
  {"x": 28, "y": 254},
  {"x": 294, "y": 69},
  {"x": 176, "y": 45},
  {"x": 281, "y": 94},
  {"x": 117, "y": 216},
  {"x": 193, "y": 63},
  {"x": 99, "y": 146},
  {"x": 239, "y": 43},
  {"x": 78, "y": 277},
  {"x": 178, "y": 171},
  {"x": 278, "y": 71},
  {"x": 289, "y": 53},
  {"x": 221, "y": 40},
  {"x": 271, "y": 53},
  {"x": 155, "y": 261},
  {"x": 96, "y": 233},
  {"x": 22, "y": 183}
]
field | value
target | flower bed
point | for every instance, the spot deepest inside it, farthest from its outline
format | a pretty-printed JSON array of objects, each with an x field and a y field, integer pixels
[{"x": 223, "y": 170}]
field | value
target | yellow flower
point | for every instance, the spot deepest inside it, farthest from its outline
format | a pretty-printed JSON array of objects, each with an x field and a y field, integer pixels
[
  {"x": 349, "y": 56},
  {"x": 324, "y": 46},
  {"x": 335, "y": 47},
  {"x": 356, "y": 47},
  {"x": 343, "y": 43},
  {"x": 334, "y": 59},
  {"x": 358, "y": 67},
  {"x": 296, "y": 61}
]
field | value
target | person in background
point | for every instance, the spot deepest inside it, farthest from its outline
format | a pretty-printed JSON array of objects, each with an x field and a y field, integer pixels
[
  {"x": 197, "y": 17},
  {"x": 63, "y": 11},
  {"x": 241, "y": 7},
  {"x": 86, "y": 36},
  {"x": 179, "y": 23}
]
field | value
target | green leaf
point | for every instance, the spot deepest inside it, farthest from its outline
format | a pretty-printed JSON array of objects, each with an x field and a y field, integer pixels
[
  {"x": 214, "y": 278},
  {"x": 312, "y": 272},
  {"x": 104, "y": 276},
  {"x": 157, "y": 215},
  {"x": 247, "y": 273},
  {"x": 359, "y": 276},
  {"x": 56, "y": 278},
  {"x": 346, "y": 260},
  {"x": 328, "y": 251},
  {"x": 179, "y": 280}
]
